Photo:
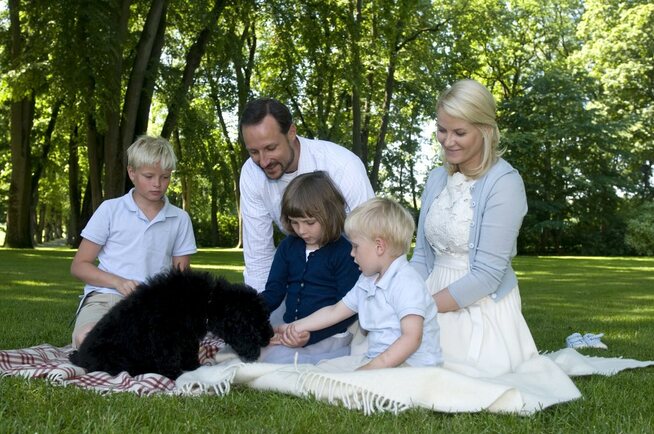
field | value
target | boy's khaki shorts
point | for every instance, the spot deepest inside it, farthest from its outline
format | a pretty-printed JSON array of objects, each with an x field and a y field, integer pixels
[{"x": 93, "y": 307}]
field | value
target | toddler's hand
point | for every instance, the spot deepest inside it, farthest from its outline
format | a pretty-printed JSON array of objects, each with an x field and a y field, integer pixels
[{"x": 293, "y": 338}]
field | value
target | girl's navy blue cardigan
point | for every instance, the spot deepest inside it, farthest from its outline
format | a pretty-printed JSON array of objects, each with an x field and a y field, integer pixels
[{"x": 310, "y": 284}]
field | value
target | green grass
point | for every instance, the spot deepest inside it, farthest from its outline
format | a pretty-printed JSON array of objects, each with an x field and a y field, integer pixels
[{"x": 559, "y": 294}]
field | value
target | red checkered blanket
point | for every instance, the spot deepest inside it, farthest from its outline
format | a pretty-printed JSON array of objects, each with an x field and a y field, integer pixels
[{"x": 51, "y": 363}]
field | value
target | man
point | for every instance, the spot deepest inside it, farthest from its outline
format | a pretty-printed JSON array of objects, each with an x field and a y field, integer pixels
[{"x": 277, "y": 155}]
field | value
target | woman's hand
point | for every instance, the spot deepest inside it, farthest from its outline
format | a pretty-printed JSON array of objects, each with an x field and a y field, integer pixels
[{"x": 445, "y": 302}]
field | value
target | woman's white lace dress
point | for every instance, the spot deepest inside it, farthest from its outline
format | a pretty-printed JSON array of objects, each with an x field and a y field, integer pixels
[{"x": 487, "y": 338}]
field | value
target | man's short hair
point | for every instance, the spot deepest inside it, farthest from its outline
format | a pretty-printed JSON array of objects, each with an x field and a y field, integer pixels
[
  {"x": 150, "y": 151},
  {"x": 383, "y": 218},
  {"x": 258, "y": 109}
]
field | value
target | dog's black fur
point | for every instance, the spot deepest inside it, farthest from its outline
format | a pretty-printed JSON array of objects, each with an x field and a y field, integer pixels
[{"x": 159, "y": 326}]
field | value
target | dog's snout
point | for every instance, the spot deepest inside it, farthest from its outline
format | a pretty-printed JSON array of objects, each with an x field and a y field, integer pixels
[{"x": 252, "y": 355}]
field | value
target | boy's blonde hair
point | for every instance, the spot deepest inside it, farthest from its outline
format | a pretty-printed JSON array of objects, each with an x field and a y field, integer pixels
[
  {"x": 150, "y": 151},
  {"x": 471, "y": 101},
  {"x": 383, "y": 218},
  {"x": 314, "y": 195}
]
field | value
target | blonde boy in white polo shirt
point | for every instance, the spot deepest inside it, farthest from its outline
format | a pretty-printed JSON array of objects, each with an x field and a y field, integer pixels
[{"x": 132, "y": 237}]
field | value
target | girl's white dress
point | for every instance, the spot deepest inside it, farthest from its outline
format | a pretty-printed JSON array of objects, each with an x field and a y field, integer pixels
[{"x": 487, "y": 338}]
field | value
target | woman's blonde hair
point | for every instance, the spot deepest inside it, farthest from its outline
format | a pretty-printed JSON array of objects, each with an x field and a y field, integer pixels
[
  {"x": 471, "y": 101},
  {"x": 150, "y": 151},
  {"x": 314, "y": 195},
  {"x": 383, "y": 218}
]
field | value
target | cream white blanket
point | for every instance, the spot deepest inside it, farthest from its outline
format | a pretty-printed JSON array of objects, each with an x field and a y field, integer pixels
[{"x": 538, "y": 383}]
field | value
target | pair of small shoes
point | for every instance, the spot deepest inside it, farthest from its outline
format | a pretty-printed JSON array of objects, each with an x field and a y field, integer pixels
[
  {"x": 575, "y": 340},
  {"x": 594, "y": 341},
  {"x": 589, "y": 340}
]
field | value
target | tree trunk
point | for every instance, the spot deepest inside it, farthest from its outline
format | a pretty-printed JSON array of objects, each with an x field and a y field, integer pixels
[
  {"x": 135, "y": 86},
  {"x": 74, "y": 223},
  {"x": 20, "y": 187},
  {"x": 86, "y": 212},
  {"x": 150, "y": 79},
  {"x": 414, "y": 194},
  {"x": 243, "y": 71},
  {"x": 21, "y": 122},
  {"x": 381, "y": 137},
  {"x": 95, "y": 149},
  {"x": 356, "y": 81},
  {"x": 214, "y": 235},
  {"x": 193, "y": 58},
  {"x": 184, "y": 178},
  {"x": 20, "y": 192},
  {"x": 39, "y": 167},
  {"x": 367, "y": 119},
  {"x": 114, "y": 160}
]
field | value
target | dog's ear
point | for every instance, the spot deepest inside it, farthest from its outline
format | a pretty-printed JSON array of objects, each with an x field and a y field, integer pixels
[{"x": 240, "y": 318}]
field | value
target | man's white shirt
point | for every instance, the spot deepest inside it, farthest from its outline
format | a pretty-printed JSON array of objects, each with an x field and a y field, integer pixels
[{"x": 261, "y": 199}]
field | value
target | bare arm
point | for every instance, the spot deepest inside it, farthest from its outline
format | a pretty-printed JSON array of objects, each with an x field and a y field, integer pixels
[
  {"x": 83, "y": 267},
  {"x": 400, "y": 350},
  {"x": 181, "y": 262},
  {"x": 289, "y": 337},
  {"x": 445, "y": 302},
  {"x": 321, "y": 318}
]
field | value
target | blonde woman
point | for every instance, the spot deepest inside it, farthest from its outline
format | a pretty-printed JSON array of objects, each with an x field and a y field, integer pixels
[{"x": 472, "y": 210}]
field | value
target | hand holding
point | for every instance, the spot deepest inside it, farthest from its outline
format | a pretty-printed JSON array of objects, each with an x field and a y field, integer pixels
[
  {"x": 293, "y": 338},
  {"x": 279, "y": 333}
]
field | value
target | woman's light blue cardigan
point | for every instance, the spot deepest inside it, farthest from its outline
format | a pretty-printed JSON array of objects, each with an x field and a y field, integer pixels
[{"x": 499, "y": 204}]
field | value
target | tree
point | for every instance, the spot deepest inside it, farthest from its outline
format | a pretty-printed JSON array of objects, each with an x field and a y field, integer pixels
[
  {"x": 225, "y": 81},
  {"x": 573, "y": 81},
  {"x": 340, "y": 66},
  {"x": 193, "y": 58},
  {"x": 618, "y": 50},
  {"x": 640, "y": 230},
  {"x": 570, "y": 186},
  {"x": 23, "y": 100}
]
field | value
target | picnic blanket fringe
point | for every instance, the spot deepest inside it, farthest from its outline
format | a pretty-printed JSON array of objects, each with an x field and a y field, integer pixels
[
  {"x": 220, "y": 388},
  {"x": 198, "y": 388},
  {"x": 352, "y": 397}
]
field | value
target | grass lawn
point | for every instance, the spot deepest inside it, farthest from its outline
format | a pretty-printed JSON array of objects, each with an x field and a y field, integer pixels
[{"x": 560, "y": 295}]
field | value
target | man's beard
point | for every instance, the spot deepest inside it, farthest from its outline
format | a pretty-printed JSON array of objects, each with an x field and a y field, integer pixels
[{"x": 284, "y": 167}]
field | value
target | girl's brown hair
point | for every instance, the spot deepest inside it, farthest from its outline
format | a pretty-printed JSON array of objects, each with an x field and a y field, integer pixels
[{"x": 314, "y": 195}]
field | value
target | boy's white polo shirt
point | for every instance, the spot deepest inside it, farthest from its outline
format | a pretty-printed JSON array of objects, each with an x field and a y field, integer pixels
[
  {"x": 134, "y": 247},
  {"x": 381, "y": 306}
]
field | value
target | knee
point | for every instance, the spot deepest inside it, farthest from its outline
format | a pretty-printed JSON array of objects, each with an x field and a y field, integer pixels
[{"x": 80, "y": 334}]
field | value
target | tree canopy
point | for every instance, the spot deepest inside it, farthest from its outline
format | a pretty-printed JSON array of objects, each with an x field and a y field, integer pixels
[{"x": 573, "y": 79}]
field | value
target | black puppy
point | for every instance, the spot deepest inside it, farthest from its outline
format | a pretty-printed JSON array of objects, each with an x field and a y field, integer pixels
[{"x": 159, "y": 326}]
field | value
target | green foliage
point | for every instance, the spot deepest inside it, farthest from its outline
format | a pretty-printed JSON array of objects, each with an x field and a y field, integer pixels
[
  {"x": 227, "y": 235},
  {"x": 618, "y": 50},
  {"x": 640, "y": 230},
  {"x": 571, "y": 186},
  {"x": 572, "y": 78},
  {"x": 560, "y": 295}
]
